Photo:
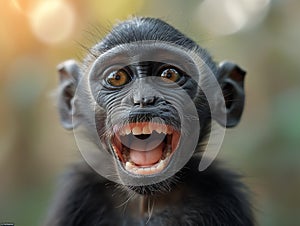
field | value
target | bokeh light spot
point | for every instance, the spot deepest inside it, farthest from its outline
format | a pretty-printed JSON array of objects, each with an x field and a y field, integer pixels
[
  {"x": 230, "y": 16},
  {"x": 52, "y": 21}
]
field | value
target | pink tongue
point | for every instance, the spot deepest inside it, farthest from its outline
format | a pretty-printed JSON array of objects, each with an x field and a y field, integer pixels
[{"x": 146, "y": 158}]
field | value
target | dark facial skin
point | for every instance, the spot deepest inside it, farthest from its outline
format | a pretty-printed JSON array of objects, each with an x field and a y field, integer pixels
[
  {"x": 140, "y": 105},
  {"x": 141, "y": 94},
  {"x": 137, "y": 103}
]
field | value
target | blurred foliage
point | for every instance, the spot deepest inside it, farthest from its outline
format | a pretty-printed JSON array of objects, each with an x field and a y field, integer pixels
[{"x": 34, "y": 149}]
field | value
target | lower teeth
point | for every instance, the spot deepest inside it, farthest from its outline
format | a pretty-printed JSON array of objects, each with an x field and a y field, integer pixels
[
  {"x": 132, "y": 167},
  {"x": 145, "y": 170}
]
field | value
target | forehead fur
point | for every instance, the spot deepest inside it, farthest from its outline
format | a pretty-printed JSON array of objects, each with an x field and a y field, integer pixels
[{"x": 145, "y": 29}]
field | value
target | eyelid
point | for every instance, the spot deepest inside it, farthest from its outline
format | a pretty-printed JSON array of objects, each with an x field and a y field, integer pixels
[{"x": 169, "y": 66}]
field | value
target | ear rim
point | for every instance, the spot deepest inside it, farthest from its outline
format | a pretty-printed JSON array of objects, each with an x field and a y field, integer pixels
[
  {"x": 69, "y": 73},
  {"x": 231, "y": 74}
]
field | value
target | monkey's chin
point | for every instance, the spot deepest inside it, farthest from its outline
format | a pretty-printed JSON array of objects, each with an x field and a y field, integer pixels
[{"x": 144, "y": 148}]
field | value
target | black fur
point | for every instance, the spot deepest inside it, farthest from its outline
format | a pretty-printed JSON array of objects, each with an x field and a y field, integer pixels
[
  {"x": 212, "y": 197},
  {"x": 208, "y": 198},
  {"x": 144, "y": 28}
]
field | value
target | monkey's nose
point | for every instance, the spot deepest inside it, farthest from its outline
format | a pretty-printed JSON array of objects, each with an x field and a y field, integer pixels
[{"x": 144, "y": 101}]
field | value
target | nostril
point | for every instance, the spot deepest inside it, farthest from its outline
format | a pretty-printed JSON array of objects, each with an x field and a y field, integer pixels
[
  {"x": 145, "y": 101},
  {"x": 148, "y": 100}
]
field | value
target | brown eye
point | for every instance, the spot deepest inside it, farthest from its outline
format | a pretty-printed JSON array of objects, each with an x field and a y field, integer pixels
[
  {"x": 118, "y": 78},
  {"x": 170, "y": 75}
]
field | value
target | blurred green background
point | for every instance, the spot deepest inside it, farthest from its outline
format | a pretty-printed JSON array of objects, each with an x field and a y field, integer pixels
[{"x": 263, "y": 36}]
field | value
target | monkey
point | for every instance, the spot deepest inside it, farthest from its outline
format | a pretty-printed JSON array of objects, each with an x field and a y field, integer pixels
[{"x": 146, "y": 98}]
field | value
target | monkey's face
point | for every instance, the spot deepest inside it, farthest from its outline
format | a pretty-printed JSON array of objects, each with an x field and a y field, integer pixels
[
  {"x": 143, "y": 108},
  {"x": 144, "y": 105}
]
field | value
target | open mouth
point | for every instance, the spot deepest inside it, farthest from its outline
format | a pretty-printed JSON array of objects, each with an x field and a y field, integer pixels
[{"x": 145, "y": 148}]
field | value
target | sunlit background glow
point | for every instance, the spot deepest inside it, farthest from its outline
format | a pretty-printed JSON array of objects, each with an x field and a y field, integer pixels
[
  {"x": 52, "y": 21},
  {"x": 261, "y": 35}
]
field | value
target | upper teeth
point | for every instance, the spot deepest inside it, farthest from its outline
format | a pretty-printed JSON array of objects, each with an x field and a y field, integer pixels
[
  {"x": 136, "y": 130},
  {"x": 144, "y": 128}
]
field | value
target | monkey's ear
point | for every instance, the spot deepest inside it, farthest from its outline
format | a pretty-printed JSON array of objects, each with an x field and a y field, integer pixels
[
  {"x": 69, "y": 73},
  {"x": 231, "y": 78}
]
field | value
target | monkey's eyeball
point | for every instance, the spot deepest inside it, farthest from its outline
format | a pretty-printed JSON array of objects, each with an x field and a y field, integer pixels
[
  {"x": 170, "y": 75},
  {"x": 118, "y": 78}
]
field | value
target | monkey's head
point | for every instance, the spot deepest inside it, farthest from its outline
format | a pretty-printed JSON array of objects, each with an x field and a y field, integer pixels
[{"x": 142, "y": 101}]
